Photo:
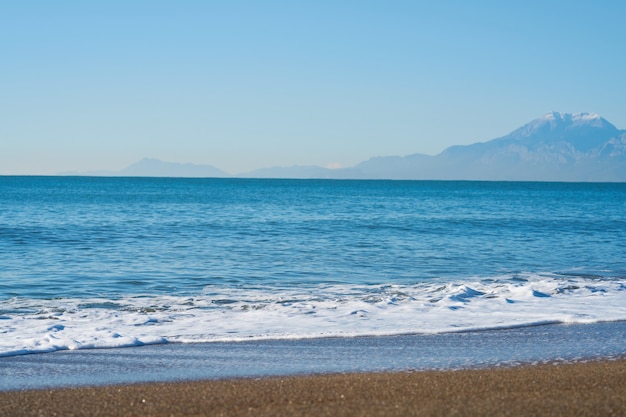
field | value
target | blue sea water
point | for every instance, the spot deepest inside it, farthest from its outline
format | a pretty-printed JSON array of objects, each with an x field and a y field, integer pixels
[{"x": 90, "y": 262}]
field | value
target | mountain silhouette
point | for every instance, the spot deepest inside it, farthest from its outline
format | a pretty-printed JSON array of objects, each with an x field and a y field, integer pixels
[
  {"x": 151, "y": 167},
  {"x": 554, "y": 147}
]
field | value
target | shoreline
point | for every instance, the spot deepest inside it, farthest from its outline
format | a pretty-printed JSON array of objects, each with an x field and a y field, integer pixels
[
  {"x": 591, "y": 388},
  {"x": 559, "y": 343}
]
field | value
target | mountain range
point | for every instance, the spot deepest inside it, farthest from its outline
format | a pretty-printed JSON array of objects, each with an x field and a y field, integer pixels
[{"x": 554, "y": 147}]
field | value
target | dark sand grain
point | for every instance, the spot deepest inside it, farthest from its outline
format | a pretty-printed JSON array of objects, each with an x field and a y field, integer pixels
[{"x": 584, "y": 389}]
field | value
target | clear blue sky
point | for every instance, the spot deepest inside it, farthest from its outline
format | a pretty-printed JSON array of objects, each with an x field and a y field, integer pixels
[{"x": 88, "y": 85}]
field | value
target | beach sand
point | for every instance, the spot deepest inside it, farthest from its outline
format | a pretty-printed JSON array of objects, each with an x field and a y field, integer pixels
[{"x": 581, "y": 389}]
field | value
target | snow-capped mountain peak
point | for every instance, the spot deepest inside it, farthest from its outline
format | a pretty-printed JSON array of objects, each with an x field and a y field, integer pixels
[
  {"x": 577, "y": 119},
  {"x": 558, "y": 123},
  {"x": 581, "y": 116}
]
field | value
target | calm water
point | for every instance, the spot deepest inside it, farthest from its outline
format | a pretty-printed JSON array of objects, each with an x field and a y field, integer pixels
[{"x": 105, "y": 262}]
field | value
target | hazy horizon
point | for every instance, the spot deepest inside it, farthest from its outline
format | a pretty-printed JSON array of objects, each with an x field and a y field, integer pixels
[{"x": 243, "y": 85}]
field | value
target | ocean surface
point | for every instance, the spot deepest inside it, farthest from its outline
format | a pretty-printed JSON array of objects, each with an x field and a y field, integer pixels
[{"x": 117, "y": 262}]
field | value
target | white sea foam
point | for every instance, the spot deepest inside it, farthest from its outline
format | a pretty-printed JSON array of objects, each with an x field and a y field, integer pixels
[{"x": 234, "y": 314}]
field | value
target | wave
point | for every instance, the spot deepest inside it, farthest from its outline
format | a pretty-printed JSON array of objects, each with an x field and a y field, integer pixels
[{"x": 274, "y": 312}]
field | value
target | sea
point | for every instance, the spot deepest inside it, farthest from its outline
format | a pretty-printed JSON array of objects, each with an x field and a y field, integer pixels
[{"x": 107, "y": 263}]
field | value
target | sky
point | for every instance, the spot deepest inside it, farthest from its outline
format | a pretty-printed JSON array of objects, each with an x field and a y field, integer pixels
[{"x": 242, "y": 85}]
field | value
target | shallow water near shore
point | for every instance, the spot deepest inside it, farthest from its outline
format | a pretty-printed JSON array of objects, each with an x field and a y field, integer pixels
[{"x": 187, "y": 362}]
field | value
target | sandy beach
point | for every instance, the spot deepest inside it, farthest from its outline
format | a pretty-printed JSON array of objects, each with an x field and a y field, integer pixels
[{"x": 582, "y": 389}]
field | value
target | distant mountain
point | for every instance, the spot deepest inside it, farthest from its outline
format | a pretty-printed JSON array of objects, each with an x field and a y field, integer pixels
[
  {"x": 150, "y": 167},
  {"x": 555, "y": 147}
]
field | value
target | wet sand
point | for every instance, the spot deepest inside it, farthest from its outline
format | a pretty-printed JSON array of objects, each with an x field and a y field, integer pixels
[{"x": 583, "y": 389}]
